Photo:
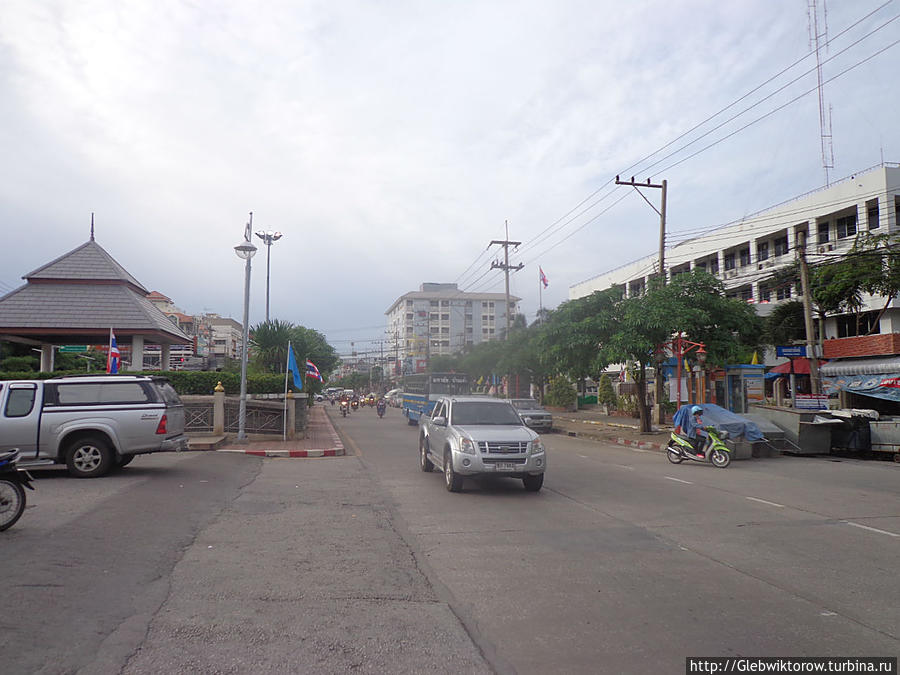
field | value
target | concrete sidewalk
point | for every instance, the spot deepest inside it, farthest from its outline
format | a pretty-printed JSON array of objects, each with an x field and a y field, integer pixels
[
  {"x": 594, "y": 425},
  {"x": 320, "y": 440}
]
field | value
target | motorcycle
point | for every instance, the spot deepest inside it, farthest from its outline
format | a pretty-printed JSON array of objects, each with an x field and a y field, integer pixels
[
  {"x": 344, "y": 408},
  {"x": 354, "y": 404},
  {"x": 379, "y": 408},
  {"x": 12, "y": 494},
  {"x": 714, "y": 451}
]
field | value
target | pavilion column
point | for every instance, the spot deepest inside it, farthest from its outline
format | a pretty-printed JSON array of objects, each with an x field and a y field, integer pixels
[
  {"x": 137, "y": 353},
  {"x": 164, "y": 358},
  {"x": 47, "y": 358}
]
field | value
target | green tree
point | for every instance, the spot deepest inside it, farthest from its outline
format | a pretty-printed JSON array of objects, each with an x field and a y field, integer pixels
[
  {"x": 561, "y": 392},
  {"x": 785, "y": 325},
  {"x": 606, "y": 395}
]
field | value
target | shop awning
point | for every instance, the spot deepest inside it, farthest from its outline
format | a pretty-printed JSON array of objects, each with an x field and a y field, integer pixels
[{"x": 878, "y": 377}]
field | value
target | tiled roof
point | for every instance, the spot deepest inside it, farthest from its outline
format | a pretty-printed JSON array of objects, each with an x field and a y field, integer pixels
[
  {"x": 88, "y": 262},
  {"x": 83, "y": 306}
]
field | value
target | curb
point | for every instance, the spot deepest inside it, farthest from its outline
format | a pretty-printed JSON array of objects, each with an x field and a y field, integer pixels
[
  {"x": 333, "y": 452},
  {"x": 640, "y": 445}
]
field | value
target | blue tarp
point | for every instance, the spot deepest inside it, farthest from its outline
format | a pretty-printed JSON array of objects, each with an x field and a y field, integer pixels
[{"x": 720, "y": 418}]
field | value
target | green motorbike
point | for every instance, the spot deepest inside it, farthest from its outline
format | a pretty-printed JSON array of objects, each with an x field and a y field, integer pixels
[{"x": 713, "y": 451}]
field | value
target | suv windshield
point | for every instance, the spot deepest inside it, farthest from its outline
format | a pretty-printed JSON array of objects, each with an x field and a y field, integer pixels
[
  {"x": 484, "y": 413},
  {"x": 526, "y": 403}
]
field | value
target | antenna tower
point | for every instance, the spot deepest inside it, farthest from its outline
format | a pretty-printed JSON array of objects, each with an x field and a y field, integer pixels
[{"x": 818, "y": 41}]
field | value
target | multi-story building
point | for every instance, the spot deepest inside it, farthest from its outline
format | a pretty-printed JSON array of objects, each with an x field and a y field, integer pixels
[
  {"x": 227, "y": 339},
  {"x": 747, "y": 255},
  {"x": 441, "y": 319}
]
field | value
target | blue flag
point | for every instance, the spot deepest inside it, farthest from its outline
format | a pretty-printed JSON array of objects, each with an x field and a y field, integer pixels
[{"x": 292, "y": 367}]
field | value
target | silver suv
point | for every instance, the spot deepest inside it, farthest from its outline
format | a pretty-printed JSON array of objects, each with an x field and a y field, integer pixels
[
  {"x": 474, "y": 435},
  {"x": 90, "y": 423}
]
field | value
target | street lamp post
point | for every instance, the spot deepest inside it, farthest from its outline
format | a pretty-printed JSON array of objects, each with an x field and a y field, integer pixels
[
  {"x": 268, "y": 239},
  {"x": 245, "y": 250}
]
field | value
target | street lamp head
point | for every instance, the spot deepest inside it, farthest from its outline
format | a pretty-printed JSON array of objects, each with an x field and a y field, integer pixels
[
  {"x": 269, "y": 237},
  {"x": 245, "y": 250},
  {"x": 701, "y": 355}
]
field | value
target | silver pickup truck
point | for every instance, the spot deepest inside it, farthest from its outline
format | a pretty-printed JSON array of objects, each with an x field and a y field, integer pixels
[
  {"x": 476, "y": 435},
  {"x": 90, "y": 423}
]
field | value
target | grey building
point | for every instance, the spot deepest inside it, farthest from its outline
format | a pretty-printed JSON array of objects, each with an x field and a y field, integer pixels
[{"x": 441, "y": 319}]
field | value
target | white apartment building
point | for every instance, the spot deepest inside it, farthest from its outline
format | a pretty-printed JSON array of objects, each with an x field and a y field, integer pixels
[
  {"x": 441, "y": 319},
  {"x": 745, "y": 255},
  {"x": 227, "y": 338}
]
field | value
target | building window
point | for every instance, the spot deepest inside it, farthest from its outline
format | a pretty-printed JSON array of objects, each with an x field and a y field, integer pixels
[
  {"x": 714, "y": 266},
  {"x": 744, "y": 256},
  {"x": 846, "y": 226},
  {"x": 765, "y": 294},
  {"x": 872, "y": 214},
  {"x": 445, "y": 330},
  {"x": 746, "y": 294},
  {"x": 490, "y": 305},
  {"x": 409, "y": 303},
  {"x": 445, "y": 317},
  {"x": 409, "y": 316},
  {"x": 484, "y": 331},
  {"x": 822, "y": 230},
  {"x": 729, "y": 261},
  {"x": 434, "y": 316},
  {"x": 781, "y": 245},
  {"x": 762, "y": 250},
  {"x": 783, "y": 292},
  {"x": 484, "y": 318},
  {"x": 433, "y": 303},
  {"x": 445, "y": 303}
]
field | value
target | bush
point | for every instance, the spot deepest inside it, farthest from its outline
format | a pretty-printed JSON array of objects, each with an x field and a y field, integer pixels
[
  {"x": 561, "y": 393},
  {"x": 20, "y": 363},
  {"x": 606, "y": 395}
]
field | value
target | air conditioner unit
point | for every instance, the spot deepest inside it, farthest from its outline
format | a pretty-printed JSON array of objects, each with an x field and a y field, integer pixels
[{"x": 821, "y": 249}]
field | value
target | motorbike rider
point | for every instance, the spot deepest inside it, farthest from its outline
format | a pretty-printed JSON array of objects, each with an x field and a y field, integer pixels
[
  {"x": 380, "y": 406},
  {"x": 697, "y": 434}
]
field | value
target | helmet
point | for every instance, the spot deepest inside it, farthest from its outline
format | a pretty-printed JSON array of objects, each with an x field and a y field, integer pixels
[{"x": 696, "y": 410}]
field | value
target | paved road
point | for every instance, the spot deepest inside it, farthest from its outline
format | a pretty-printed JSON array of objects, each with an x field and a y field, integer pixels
[
  {"x": 626, "y": 563},
  {"x": 220, "y": 563}
]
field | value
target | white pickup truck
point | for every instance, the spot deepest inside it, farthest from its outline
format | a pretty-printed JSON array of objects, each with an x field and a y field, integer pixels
[{"x": 90, "y": 423}]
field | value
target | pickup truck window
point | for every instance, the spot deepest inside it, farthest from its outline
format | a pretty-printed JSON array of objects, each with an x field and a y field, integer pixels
[
  {"x": 92, "y": 393},
  {"x": 20, "y": 401},
  {"x": 484, "y": 413}
]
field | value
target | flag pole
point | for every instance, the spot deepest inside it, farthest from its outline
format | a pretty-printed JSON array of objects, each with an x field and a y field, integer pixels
[
  {"x": 109, "y": 351},
  {"x": 287, "y": 361},
  {"x": 540, "y": 297}
]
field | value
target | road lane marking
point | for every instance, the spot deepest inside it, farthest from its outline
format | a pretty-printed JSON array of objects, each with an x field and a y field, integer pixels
[
  {"x": 871, "y": 529},
  {"x": 678, "y": 480},
  {"x": 584, "y": 456},
  {"x": 624, "y": 466},
  {"x": 763, "y": 501}
]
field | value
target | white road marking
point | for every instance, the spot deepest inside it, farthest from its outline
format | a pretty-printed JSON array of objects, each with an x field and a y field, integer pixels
[
  {"x": 583, "y": 456},
  {"x": 871, "y": 529},
  {"x": 678, "y": 480},
  {"x": 829, "y": 614},
  {"x": 763, "y": 501},
  {"x": 624, "y": 466}
]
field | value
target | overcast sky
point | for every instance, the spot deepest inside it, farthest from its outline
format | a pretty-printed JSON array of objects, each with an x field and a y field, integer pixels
[{"x": 389, "y": 140}]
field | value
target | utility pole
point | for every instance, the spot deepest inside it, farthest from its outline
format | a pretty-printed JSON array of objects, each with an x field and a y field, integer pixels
[
  {"x": 807, "y": 316},
  {"x": 506, "y": 243},
  {"x": 660, "y": 413}
]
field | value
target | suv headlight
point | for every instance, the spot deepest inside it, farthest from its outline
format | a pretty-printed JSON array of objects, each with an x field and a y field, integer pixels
[
  {"x": 467, "y": 446},
  {"x": 537, "y": 447}
]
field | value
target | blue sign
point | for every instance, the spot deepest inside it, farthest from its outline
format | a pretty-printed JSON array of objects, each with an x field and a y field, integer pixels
[{"x": 791, "y": 352}]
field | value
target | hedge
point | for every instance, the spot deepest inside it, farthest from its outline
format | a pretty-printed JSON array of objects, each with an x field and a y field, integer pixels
[{"x": 184, "y": 381}]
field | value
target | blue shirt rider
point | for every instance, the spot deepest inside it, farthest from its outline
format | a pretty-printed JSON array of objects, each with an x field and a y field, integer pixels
[{"x": 697, "y": 434}]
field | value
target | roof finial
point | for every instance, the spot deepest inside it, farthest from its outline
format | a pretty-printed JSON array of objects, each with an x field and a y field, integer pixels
[{"x": 92, "y": 226}]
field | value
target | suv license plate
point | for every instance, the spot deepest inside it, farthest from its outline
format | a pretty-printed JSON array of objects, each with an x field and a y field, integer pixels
[{"x": 504, "y": 466}]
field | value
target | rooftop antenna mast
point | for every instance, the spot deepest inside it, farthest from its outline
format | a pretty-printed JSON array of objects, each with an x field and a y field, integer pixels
[{"x": 818, "y": 41}]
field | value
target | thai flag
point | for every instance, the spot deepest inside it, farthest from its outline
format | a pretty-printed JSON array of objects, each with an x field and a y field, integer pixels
[
  {"x": 112, "y": 358},
  {"x": 544, "y": 279},
  {"x": 312, "y": 371}
]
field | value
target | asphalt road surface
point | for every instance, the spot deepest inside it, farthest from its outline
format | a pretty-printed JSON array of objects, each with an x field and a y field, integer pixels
[
  {"x": 627, "y": 563},
  {"x": 623, "y": 563}
]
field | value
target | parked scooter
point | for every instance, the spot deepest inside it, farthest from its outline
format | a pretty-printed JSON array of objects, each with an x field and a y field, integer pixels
[
  {"x": 714, "y": 451},
  {"x": 12, "y": 494}
]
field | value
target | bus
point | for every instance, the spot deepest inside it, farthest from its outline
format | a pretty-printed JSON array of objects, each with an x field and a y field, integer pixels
[{"x": 421, "y": 390}]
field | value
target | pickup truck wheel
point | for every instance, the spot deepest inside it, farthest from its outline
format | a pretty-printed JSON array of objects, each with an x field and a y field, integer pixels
[
  {"x": 533, "y": 483},
  {"x": 453, "y": 480},
  {"x": 424, "y": 463},
  {"x": 89, "y": 457}
]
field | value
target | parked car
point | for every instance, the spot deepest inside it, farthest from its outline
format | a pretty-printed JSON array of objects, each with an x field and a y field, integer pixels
[
  {"x": 471, "y": 435},
  {"x": 90, "y": 423},
  {"x": 533, "y": 414},
  {"x": 394, "y": 397}
]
